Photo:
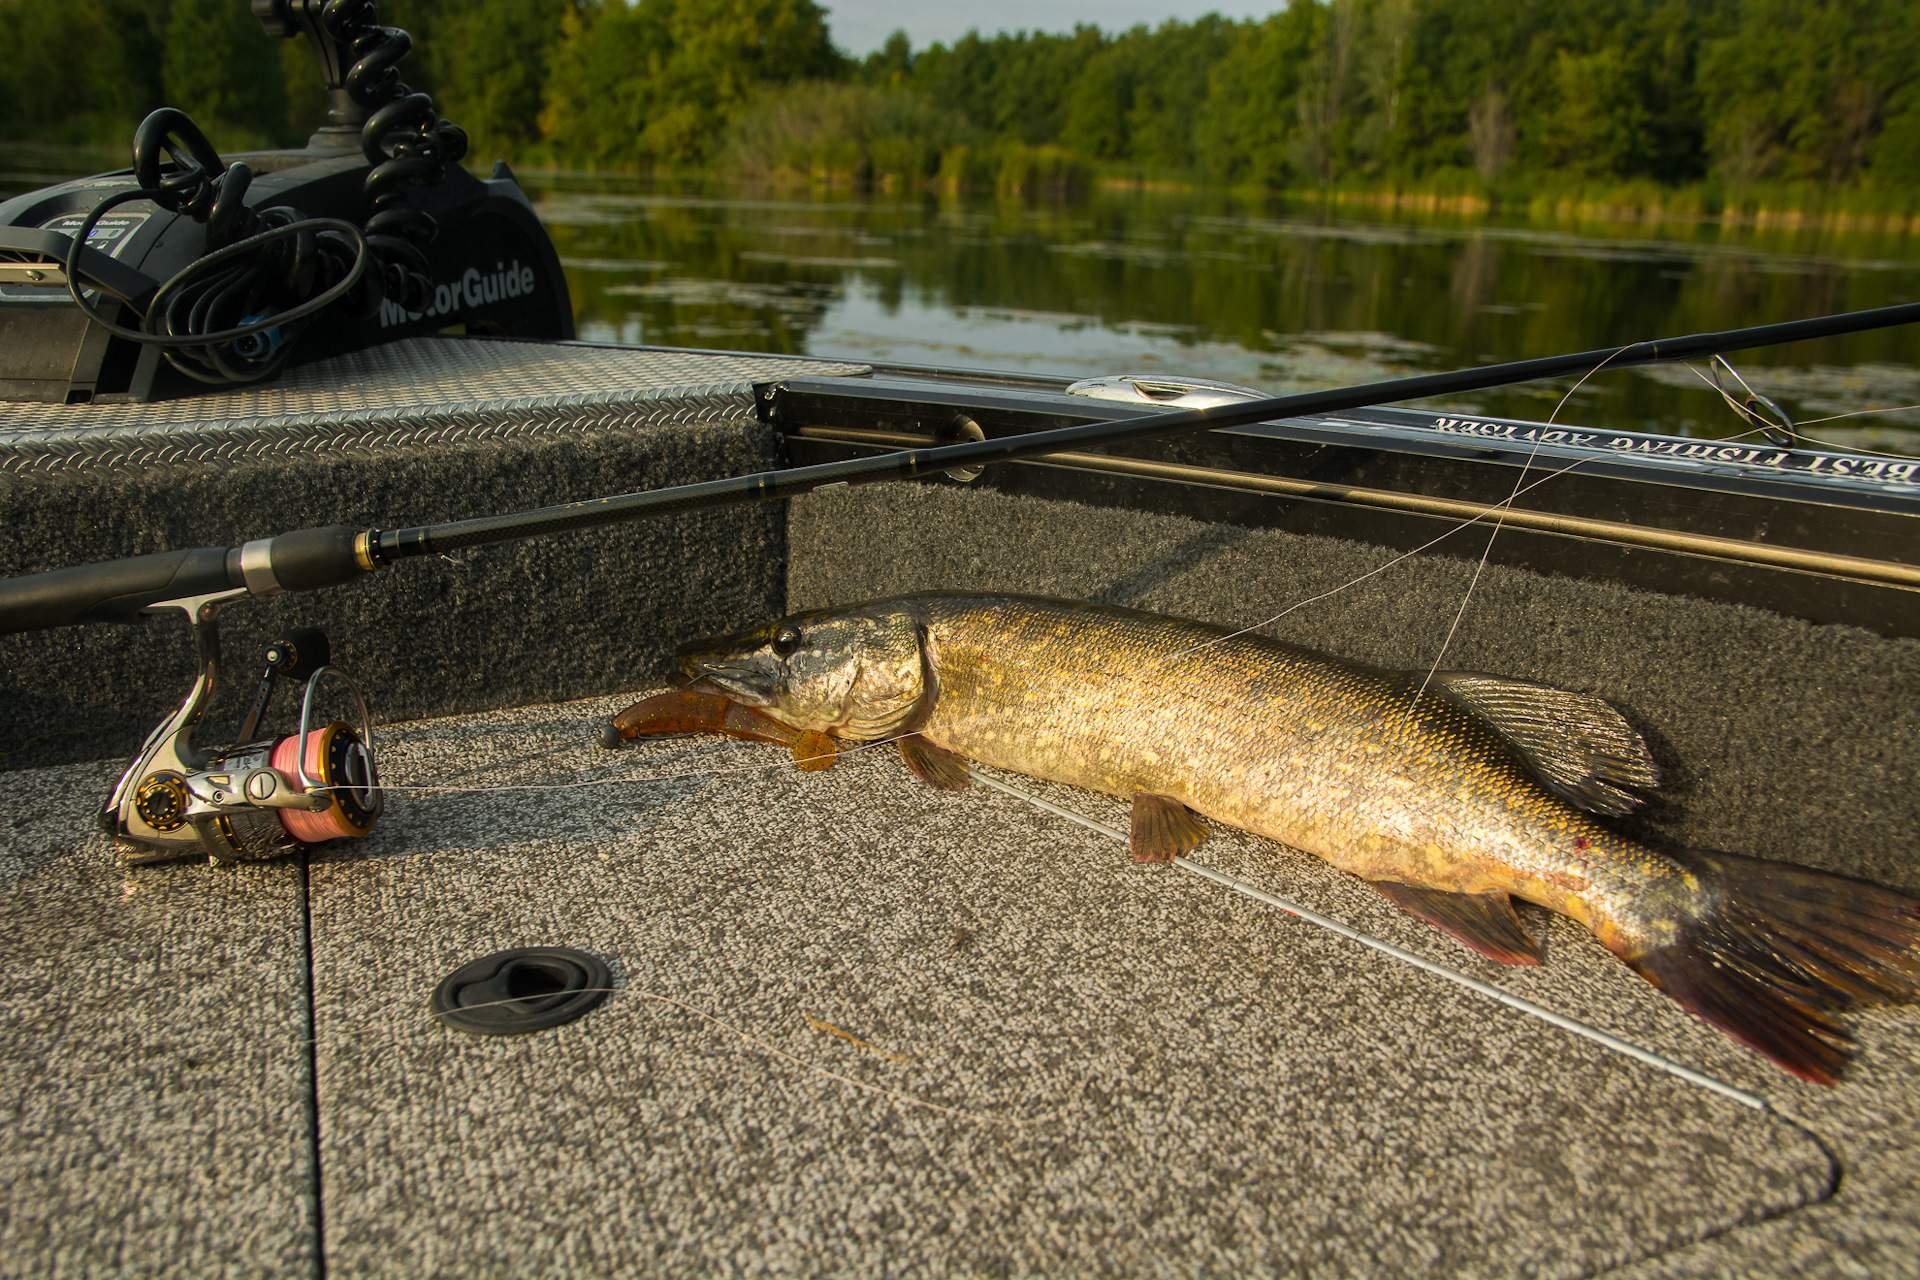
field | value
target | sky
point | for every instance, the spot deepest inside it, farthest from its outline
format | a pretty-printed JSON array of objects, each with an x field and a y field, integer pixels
[{"x": 859, "y": 26}]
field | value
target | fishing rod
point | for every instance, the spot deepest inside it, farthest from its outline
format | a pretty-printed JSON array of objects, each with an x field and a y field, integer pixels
[
  {"x": 306, "y": 559},
  {"x": 260, "y": 799}
]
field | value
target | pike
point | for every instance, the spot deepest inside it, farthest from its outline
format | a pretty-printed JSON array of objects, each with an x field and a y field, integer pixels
[{"x": 1452, "y": 800}]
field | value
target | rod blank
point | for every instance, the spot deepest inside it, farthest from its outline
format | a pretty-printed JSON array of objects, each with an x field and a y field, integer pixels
[
  {"x": 912, "y": 463},
  {"x": 118, "y": 590}
]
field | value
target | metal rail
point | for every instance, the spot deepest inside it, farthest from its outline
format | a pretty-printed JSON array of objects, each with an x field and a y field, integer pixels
[
  {"x": 306, "y": 559},
  {"x": 1865, "y": 569},
  {"x": 379, "y": 547}
]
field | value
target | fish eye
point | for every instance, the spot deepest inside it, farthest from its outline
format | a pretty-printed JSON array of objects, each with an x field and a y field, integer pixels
[{"x": 785, "y": 641}]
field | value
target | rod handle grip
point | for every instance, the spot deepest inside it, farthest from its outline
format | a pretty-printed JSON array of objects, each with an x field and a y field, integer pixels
[
  {"x": 320, "y": 557},
  {"x": 113, "y": 591}
]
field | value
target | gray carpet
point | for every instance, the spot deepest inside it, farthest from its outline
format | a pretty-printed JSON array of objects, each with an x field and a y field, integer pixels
[
  {"x": 423, "y": 431},
  {"x": 432, "y": 635},
  {"x": 1052, "y": 1060},
  {"x": 154, "y": 1080},
  {"x": 1070, "y": 1063},
  {"x": 1779, "y": 738}
]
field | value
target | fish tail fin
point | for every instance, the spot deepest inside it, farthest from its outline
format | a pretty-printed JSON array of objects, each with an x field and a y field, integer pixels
[{"x": 1776, "y": 952}]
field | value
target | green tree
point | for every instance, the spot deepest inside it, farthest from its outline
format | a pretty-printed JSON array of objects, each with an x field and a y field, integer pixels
[
  {"x": 1028, "y": 88},
  {"x": 1895, "y": 158},
  {"x": 960, "y": 78},
  {"x": 1490, "y": 133},
  {"x": 892, "y": 63},
  {"x": 596, "y": 101},
  {"x": 106, "y": 55},
  {"x": 1598, "y": 122},
  {"x": 1667, "y": 48},
  {"x": 1098, "y": 104},
  {"x": 1248, "y": 122},
  {"x": 1328, "y": 92},
  {"x": 1385, "y": 46},
  {"x": 1801, "y": 91},
  {"x": 659, "y": 81},
  {"x": 219, "y": 69},
  {"x": 1170, "y": 91},
  {"x": 491, "y": 57}
]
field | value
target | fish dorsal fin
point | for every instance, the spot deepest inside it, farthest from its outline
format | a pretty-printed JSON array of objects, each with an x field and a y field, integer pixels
[
  {"x": 935, "y": 766},
  {"x": 1580, "y": 746},
  {"x": 1163, "y": 828},
  {"x": 1485, "y": 922}
]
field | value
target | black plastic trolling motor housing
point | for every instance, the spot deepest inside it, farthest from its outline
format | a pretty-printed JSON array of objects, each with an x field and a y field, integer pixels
[
  {"x": 490, "y": 266},
  {"x": 494, "y": 272}
]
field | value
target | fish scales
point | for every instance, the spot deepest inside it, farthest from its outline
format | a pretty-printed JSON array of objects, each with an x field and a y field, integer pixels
[
  {"x": 1330, "y": 758},
  {"x": 1454, "y": 794}
]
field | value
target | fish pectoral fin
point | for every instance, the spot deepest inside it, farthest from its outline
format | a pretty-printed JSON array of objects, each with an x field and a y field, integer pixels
[
  {"x": 935, "y": 766},
  {"x": 1486, "y": 922},
  {"x": 1579, "y": 745},
  {"x": 1163, "y": 828},
  {"x": 813, "y": 751}
]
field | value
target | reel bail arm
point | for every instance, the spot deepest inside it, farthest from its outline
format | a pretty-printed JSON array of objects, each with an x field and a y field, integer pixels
[{"x": 258, "y": 799}]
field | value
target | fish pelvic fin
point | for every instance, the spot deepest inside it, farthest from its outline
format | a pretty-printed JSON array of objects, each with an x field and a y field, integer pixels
[
  {"x": 1485, "y": 922},
  {"x": 1579, "y": 746},
  {"x": 1163, "y": 828},
  {"x": 935, "y": 766},
  {"x": 813, "y": 751},
  {"x": 1777, "y": 952}
]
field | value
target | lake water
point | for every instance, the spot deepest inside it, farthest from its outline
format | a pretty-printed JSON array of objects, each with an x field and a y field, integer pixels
[
  {"x": 1282, "y": 298},
  {"x": 1278, "y": 298}
]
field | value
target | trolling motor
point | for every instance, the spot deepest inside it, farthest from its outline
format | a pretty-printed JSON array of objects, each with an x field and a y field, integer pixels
[
  {"x": 193, "y": 269},
  {"x": 264, "y": 796}
]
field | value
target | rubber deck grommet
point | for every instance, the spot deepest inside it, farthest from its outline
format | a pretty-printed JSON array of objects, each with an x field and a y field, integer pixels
[{"x": 520, "y": 990}]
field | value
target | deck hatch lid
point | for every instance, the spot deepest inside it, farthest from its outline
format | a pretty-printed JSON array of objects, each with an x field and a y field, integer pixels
[{"x": 522, "y": 989}]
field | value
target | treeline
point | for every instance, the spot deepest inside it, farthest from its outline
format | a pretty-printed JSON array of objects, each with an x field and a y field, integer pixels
[{"x": 1322, "y": 93}]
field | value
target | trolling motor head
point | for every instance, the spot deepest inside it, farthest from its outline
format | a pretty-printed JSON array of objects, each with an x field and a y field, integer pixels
[
  {"x": 264, "y": 796},
  {"x": 191, "y": 269}
]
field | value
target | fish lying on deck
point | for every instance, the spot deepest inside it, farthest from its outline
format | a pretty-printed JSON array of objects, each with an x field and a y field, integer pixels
[{"x": 1479, "y": 791}]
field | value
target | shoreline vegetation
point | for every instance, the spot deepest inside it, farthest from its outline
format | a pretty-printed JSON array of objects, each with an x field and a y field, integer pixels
[
  {"x": 1788, "y": 209},
  {"x": 1772, "y": 115},
  {"x": 1699, "y": 206}
]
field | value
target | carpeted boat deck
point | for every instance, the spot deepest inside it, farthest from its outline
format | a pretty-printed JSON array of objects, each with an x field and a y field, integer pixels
[
  {"x": 864, "y": 1026},
  {"x": 1775, "y": 737},
  {"x": 155, "y": 1079},
  {"x": 860, "y": 1025},
  {"x": 857, "y": 1025}
]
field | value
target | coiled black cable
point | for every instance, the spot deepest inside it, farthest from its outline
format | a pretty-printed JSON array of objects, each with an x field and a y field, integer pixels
[
  {"x": 404, "y": 139},
  {"x": 183, "y": 316},
  {"x": 234, "y": 314}
]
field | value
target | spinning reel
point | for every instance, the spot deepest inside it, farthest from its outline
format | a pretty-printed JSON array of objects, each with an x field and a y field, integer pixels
[{"x": 265, "y": 796}]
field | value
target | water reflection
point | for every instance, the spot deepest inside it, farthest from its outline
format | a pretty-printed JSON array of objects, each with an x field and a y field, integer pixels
[
  {"x": 1206, "y": 284},
  {"x": 1200, "y": 285}
]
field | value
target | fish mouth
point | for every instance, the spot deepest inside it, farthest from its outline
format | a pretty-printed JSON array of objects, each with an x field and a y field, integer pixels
[{"x": 746, "y": 682}]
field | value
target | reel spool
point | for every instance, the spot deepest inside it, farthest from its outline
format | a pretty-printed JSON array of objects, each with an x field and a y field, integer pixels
[{"x": 264, "y": 797}]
